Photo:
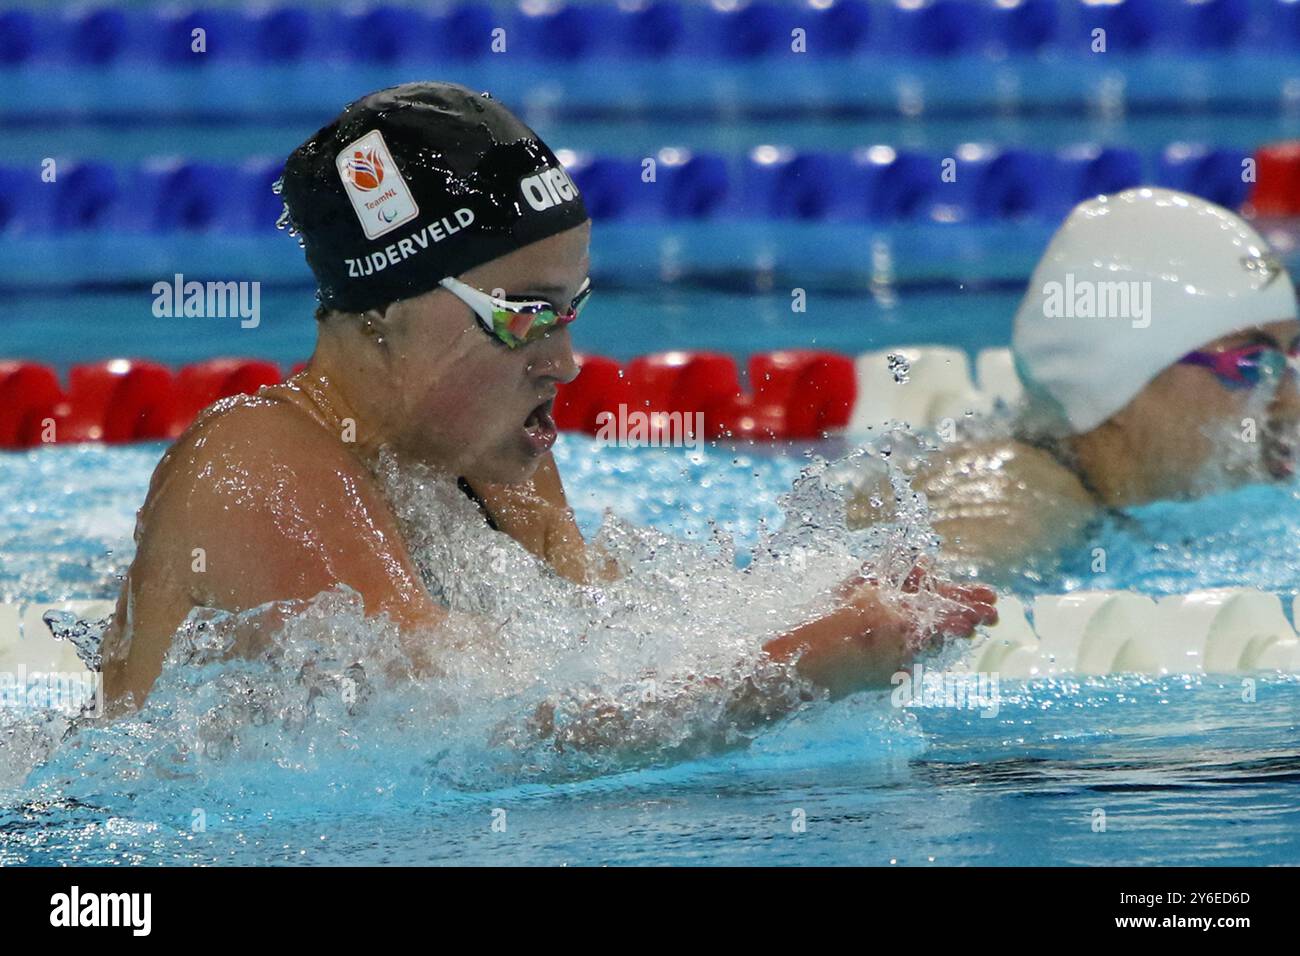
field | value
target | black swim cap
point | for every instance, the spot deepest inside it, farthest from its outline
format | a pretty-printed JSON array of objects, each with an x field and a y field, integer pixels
[{"x": 416, "y": 183}]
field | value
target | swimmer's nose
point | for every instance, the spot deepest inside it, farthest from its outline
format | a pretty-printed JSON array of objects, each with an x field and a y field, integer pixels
[
  {"x": 1284, "y": 410},
  {"x": 554, "y": 358}
]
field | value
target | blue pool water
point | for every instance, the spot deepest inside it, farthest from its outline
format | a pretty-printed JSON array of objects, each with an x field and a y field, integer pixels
[{"x": 1183, "y": 771}]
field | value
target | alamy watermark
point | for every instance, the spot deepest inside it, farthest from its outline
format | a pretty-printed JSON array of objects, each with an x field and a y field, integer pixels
[
  {"x": 208, "y": 300},
  {"x": 650, "y": 429},
  {"x": 69, "y": 692},
  {"x": 1086, "y": 299},
  {"x": 955, "y": 690}
]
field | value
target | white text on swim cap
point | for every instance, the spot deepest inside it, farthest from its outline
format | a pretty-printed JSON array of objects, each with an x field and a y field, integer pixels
[
  {"x": 1086, "y": 299},
  {"x": 395, "y": 252},
  {"x": 548, "y": 187}
]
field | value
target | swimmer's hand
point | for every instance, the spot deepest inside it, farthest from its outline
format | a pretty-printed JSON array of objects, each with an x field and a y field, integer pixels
[{"x": 877, "y": 631}]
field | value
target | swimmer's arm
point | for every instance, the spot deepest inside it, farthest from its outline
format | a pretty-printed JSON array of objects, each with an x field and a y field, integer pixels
[
  {"x": 538, "y": 516},
  {"x": 857, "y": 646}
]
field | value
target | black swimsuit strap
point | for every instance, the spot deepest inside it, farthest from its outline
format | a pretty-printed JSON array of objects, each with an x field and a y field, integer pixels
[
  {"x": 472, "y": 495},
  {"x": 1068, "y": 462}
]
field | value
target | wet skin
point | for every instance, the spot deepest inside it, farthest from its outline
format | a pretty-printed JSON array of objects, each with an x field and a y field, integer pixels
[
  {"x": 1000, "y": 506},
  {"x": 273, "y": 498}
]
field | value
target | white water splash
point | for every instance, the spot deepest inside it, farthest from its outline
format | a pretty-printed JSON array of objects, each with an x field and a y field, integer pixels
[{"x": 535, "y": 678}]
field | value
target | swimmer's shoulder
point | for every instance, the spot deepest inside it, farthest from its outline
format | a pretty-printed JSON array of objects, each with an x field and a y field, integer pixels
[
  {"x": 283, "y": 509},
  {"x": 276, "y": 424},
  {"x": 1003, "y": 503},
  {"x": 1004, "y": 467},
  {"x": 248, "y": 454}
]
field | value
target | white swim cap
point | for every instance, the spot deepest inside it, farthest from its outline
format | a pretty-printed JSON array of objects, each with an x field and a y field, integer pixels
[{"x": 1129, "y": 284}]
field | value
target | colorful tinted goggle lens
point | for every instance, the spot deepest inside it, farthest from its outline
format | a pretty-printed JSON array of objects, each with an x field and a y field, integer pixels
[
  {"x": 516, "y": 322},
  {"x": 1244, "y": 367}
]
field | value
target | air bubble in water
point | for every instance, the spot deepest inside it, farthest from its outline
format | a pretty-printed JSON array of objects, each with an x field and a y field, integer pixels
[{"x": 899, "y": 366}]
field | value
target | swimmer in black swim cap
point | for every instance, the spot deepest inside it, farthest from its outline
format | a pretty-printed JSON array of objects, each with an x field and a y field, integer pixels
[
  {"x": 444, "y": 236},
  {"x": 451, "y": 251}
]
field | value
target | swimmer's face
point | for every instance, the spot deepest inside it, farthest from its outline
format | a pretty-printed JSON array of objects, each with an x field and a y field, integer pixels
[
  {"x": 468, "y": 403},
  {"x": 1194, "y": 434}
]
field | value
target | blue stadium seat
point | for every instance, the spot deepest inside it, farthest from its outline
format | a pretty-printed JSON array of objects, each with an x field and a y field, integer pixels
[
  {"x": 170, "y": 36},
  {"x": 283, "y": 34},
  {"x": 248, "y": 203},
  {"x": 892, "y": 185},
  {"x": 612, "y": 188},
  {"x": 694, "y": 186},
  {"x": 1023, "y": 26},
  {"x": 781, "y": 183},
  {"x": 840, "y": 29},
  {"x": 1089, "y": 170},
  {"x": 464, "y": 32},
  {"x": 993, "y": 184},
  {"x": 1213, "y": 24},
  {"x": 19, "y": 33},
  {"x": 167, "y": 195},
  {"x": 744, "y": 32},
  {"x": 654, "y": 31},
  {"x": 1130, "y": 25},
  {"x": 1283, "y": 24},
  {"x": 1213, "y": 174},
  {"x": 566, "y": 32},
  {"x": 380, "y": 34},
  {"x": 24, "y": 200},
  {"x": 85, "y": 196},
  {"x": 98, "y": 36},
  {"x": 937, "y": 27}
]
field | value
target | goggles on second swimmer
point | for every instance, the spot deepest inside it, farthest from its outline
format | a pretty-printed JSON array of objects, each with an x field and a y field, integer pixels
[
  {"x": 1247, "y": 366},
  {"x": 516, "y": 322}
]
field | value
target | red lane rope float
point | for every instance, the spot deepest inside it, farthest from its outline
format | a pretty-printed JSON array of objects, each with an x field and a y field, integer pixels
[
  {"x": 600, "y": 384},
  {"x": 1276, "y": 191},
  {"x": 114, "y": 401},
  {"x": 121, "y": 400},
  {"x": 201, "y": 384},
  {"x": 797, "y": 394},
  {"x": 681, "y": 383},
  {"x": 815, "y": 389},
  {"x": 28, "y": 394}
]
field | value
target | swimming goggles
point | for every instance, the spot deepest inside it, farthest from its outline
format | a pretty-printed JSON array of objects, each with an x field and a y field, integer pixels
[
  {"x": 516, "y": 322},
  {"x": 1247, "y": 366}
]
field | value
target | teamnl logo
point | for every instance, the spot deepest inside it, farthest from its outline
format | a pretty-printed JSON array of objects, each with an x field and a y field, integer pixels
[
  {"x": 375, "y": 186},
  {"x": 1087, "y": 299},
  {"x": 208, "y": 300},
  {"x": 954, "y": 690}
]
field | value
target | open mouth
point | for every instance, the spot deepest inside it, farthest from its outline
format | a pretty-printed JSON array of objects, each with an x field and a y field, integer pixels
[{"x": 539, "y": 427}]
